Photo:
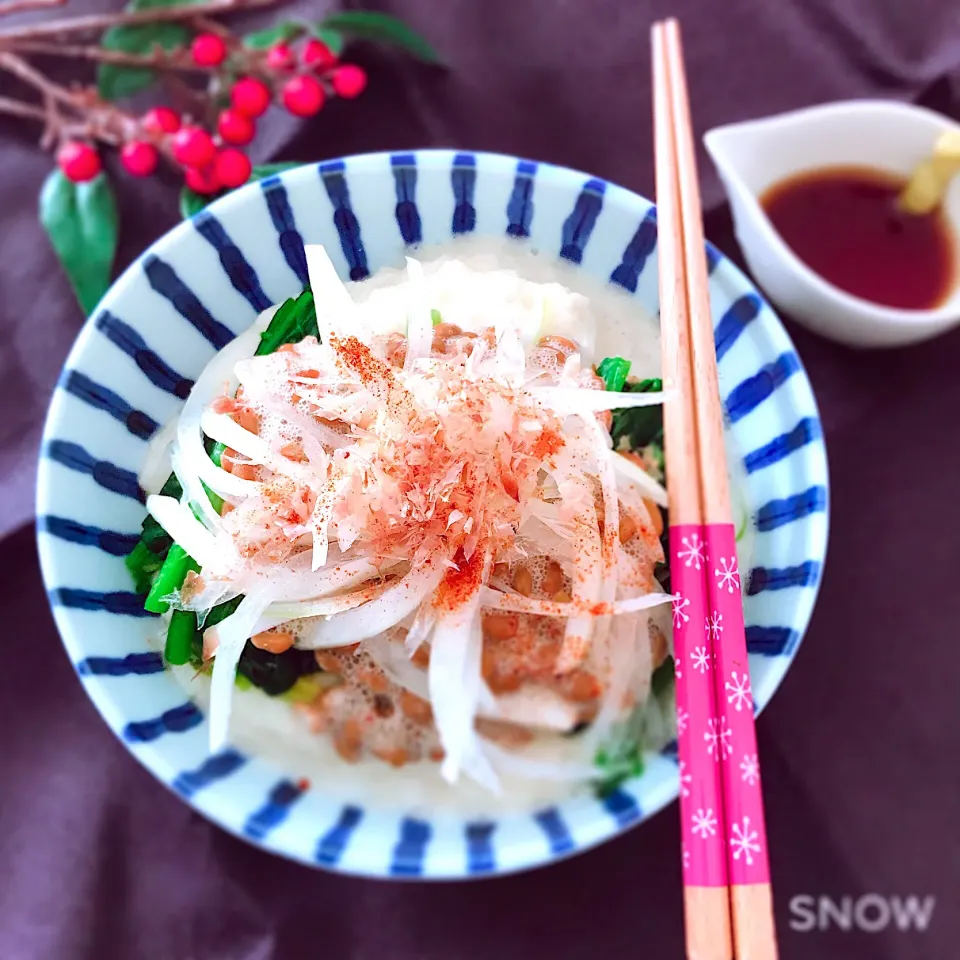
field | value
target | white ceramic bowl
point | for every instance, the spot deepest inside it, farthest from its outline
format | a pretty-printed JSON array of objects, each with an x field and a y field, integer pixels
[
  {"x": 204, "y": 282},
  {"x": 753, "y": 156}
]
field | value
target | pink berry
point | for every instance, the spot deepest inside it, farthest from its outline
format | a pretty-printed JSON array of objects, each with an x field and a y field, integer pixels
[
  {"x": 251, "y": 96},
  {"x": 202, "y": 179},
  {"x": 193, "y": 147},
  {"x": 161, "y": 120},
  {"x": 318, "y": 56},
  {"x": 139, "y": 158},
  {"x": 303, "y": 96},
  {"x": 232, "y": 167},
  {"x": 280, "y": 58},
  {"x": 78, "y": 161},
  {"x": 208, "y": 50},
  {"x": 349, "y": 81},
  {"x": 235, "y": 127}
]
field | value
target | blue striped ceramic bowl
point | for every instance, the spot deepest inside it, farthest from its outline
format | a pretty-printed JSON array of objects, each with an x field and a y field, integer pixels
[{"x": 203, "y": 283}]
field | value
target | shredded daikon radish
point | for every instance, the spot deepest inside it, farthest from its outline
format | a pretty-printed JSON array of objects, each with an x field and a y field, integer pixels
[
  {"x": 636, "y": 474},
  {"x": 431, "y": 521},
  {"x": 156, "y": 465}
]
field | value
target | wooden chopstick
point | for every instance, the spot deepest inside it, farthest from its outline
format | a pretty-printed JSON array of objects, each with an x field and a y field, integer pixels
[
  {"x": 751, "y": 906},
  {"x": 706, "y": 897}
]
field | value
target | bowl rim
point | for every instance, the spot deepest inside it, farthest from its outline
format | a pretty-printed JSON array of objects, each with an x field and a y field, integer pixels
[{"x": 724, "y": 270}]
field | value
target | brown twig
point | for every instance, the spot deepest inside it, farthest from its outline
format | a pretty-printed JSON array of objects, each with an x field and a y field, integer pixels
[
  {"x": 160, "y": 59},
  {"x": 101, "y": 21},
  {"x": 17, "y": 108},
  {"x": 207, "y": 25},
  {"x": 18, "y": 6},
  {"x": 21, "y": 69},
  {"x": 89, "y": 116}
]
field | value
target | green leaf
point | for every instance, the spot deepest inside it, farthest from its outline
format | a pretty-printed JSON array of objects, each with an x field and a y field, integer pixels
[
  {"x": 263, "y": 170},
  {"x": 192, "y": 202},
  {"x": 378, "y": 27},
  {"x": 115, "y": 81},
  {"x": 436, "y": 316},
  {"x": 82, "y": 223},
  {"x": 271, "y": 36},
  {"x": 636, "y": 427},
  {"x": 663, "y": 679},
  {"x": 294, "y": 320},
  {"x": 614, "y": 371}
]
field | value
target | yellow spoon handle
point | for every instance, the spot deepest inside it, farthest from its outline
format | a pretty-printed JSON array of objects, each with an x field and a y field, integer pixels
[{"x": 927, "y": 186}]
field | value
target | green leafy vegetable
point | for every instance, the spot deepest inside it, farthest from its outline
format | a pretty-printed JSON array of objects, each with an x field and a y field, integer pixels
[
  {"x": 179, "y": 646},
  {"x": 170, "y": 578},
  {"x": 270, "y": 36},
  {"x": 339, "y": 28},
  {"x": 81, "y": 221},
  {"x": 614, "y": 371},
  {"x": 114, "y": 80},
  {"x": 618, "y": 766},
  {"x": 275, "y": 673},
  {"x": 437, "y": 317},
  {"x": 142, "y": 563},
  {"x": 662, "y": 682},
  {"x": 636, "y": 427},
  {"x": 296, "y": 319}
]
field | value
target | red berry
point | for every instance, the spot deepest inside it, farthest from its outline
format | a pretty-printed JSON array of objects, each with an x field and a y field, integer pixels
[
  {"x": 349, "y": 81},
  {"x": 208, "y": 50},
  {"x": 303, "y": 96},
  {"x": 78, "y": 161},
  {"x": 202, "y": 179},
  {"x": 139, "y": 158},
  {"x": 318, "y": 55},
  {"x": 232, "y": 167},
  {"x": 161, "y": 120},
  {"x": 193, "y": 147},
  {"x": 251, "y": 96},
  {"x": 235, "y": 127},
  {"x": 280, "y": 57}
]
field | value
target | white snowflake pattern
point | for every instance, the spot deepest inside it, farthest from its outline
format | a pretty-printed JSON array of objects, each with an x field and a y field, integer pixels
[
  {"x": 718, "y": 739},
  {"x": 714, "y": 626},
  {"x": 686, "y": 857},
  {"x": 679, "y": 617},
  {"x": 677, "y": 666},
  {"x": 738, "y": 691},
  {"x": 685, "y": 778},
  {"x": 743, "y": 841},
  {"x": 750, "y": 769},
  {"x": 693, "y": 554},
  {"x": 682, "y": 718},
  {"x": 728, "y": 574},
  {"x": 701, "y": 659},
  {"x": 704, "y": 823}
]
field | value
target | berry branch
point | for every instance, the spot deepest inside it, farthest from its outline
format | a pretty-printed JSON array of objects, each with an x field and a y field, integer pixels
[
  {"x": 90, "y": 23},
  {"x": 231, "y": 80},
  {"x": 18, "y": 6}
]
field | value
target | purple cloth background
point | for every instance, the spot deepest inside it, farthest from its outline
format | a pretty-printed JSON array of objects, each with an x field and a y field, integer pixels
[{"x": 860, "y": 746}]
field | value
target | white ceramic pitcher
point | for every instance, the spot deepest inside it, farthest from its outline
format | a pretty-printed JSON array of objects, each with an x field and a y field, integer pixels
[{"x": 881, "y": 134}]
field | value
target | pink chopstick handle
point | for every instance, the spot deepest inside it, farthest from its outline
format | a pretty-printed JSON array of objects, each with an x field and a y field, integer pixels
[
  {"x": 742, "y": 796},
  {"x": 701, "y": 798}
]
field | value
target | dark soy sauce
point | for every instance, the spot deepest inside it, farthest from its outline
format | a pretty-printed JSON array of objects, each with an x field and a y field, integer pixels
[{"x": 844, "y": 224}]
